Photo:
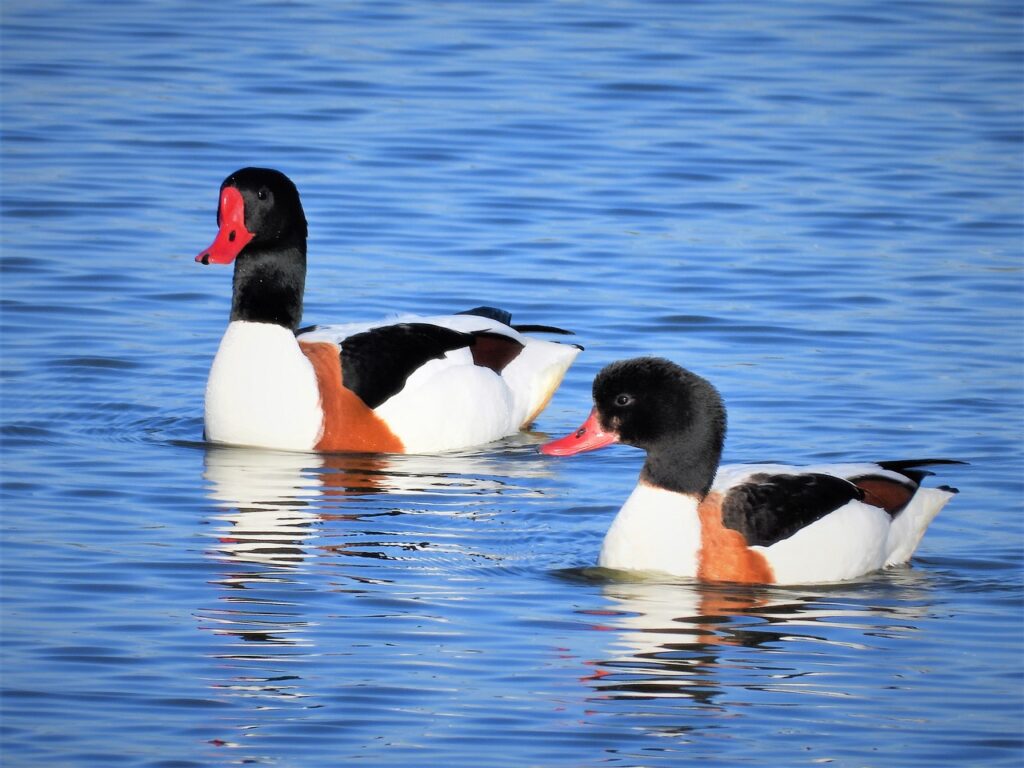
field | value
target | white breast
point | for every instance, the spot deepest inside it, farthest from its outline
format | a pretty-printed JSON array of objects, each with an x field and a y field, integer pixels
[
  {"x": 262, "y": 391},
  {"x": 656, "y": 530}
]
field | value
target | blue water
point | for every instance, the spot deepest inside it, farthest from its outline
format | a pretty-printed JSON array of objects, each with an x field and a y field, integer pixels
[{"x": 816, "y": 205}]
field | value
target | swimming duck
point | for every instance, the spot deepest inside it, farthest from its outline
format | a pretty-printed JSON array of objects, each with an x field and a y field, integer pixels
[
  {"x": 408, "y": 385},
  {"x": 759, "y": 523}
]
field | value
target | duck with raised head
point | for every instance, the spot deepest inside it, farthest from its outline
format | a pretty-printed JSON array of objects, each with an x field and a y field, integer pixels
[
  {"x": 753, "y": 523},
  {"x": 407, "y": 385}
]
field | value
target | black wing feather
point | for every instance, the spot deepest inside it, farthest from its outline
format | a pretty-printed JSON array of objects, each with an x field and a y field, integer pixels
[
  {"x": 909, "y": 467},
  {"x": 543, "y": 329},
  {"x": 770, "y": 508},
  {"x": 375, "y": 364}
]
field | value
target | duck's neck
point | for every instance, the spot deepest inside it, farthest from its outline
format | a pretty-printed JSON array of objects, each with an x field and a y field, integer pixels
[
  {"x": 687, "y": 463},
  {"x": 269, "y": 283}
]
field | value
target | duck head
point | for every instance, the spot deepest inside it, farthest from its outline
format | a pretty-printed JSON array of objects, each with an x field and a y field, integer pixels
[
  {"x": 262, "y": 230},
  {"x": 651, "y": 403}
]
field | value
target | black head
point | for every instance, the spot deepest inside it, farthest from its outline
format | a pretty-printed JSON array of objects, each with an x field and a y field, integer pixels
[
  {"x": 648, "y": 400},
  {"x": 262, "y": 229},
  {"x": 258, "y": 208},
  {"x": 653, "y": 404},
  {"x": 273, "y": 211}
]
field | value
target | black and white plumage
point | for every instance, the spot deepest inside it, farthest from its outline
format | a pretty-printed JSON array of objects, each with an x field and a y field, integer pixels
[{"x": 409, "y": 384}]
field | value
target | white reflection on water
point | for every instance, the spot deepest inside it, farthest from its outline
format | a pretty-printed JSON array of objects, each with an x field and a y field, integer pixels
[
  {"x": 294, "y": 532},
  {"x": 272, "y": 503},
  {"x": 687, "y": 639}
]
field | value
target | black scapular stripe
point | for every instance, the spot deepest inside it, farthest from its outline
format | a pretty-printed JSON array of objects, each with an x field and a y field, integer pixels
[
  {"x": 769, "y": 508},
  {"x": 375, "y": 364}
]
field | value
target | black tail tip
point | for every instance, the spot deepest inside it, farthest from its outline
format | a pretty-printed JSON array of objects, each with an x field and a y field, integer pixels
[{"x": 533, "y": 328}]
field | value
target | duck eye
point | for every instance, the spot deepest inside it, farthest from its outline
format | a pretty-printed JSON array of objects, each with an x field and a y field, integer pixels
[
  {"x": 262, "y": 194},
  {"x": 624, "y": 400}
]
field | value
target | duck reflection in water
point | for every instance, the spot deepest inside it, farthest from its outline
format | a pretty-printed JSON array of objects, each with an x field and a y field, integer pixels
[
  {"x": 675, "y": 639},
  {"x": 273, "y": 505},
  {"x": 297, "y": 536}
]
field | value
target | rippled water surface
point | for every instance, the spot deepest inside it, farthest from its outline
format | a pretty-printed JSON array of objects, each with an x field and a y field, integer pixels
[{"x": 816, "y": 205}]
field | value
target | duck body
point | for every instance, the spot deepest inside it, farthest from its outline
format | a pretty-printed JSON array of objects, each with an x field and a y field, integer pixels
[
  {"x": 727, "y": 536},
  {"x": 753, "y": 523},
  {"x": 411, "y": 384}
]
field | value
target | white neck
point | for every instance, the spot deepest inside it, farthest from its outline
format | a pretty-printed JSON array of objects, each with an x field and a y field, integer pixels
[
  {"x": 262, "y": 390},
  {"x": 656, "y": 530}
]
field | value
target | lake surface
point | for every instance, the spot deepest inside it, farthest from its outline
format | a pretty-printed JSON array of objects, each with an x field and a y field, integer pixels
[{"x": 818, "y": 206}]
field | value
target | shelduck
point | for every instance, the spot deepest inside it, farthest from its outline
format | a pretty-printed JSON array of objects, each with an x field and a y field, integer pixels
[
  {"x": 408, "y": 385},
  {"x": 759, "y": 523}
]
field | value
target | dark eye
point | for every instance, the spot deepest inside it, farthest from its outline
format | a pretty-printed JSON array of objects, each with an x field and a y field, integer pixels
[
  {"x": 262, "y": 194},
  {"x": 624, "y": 400}
]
